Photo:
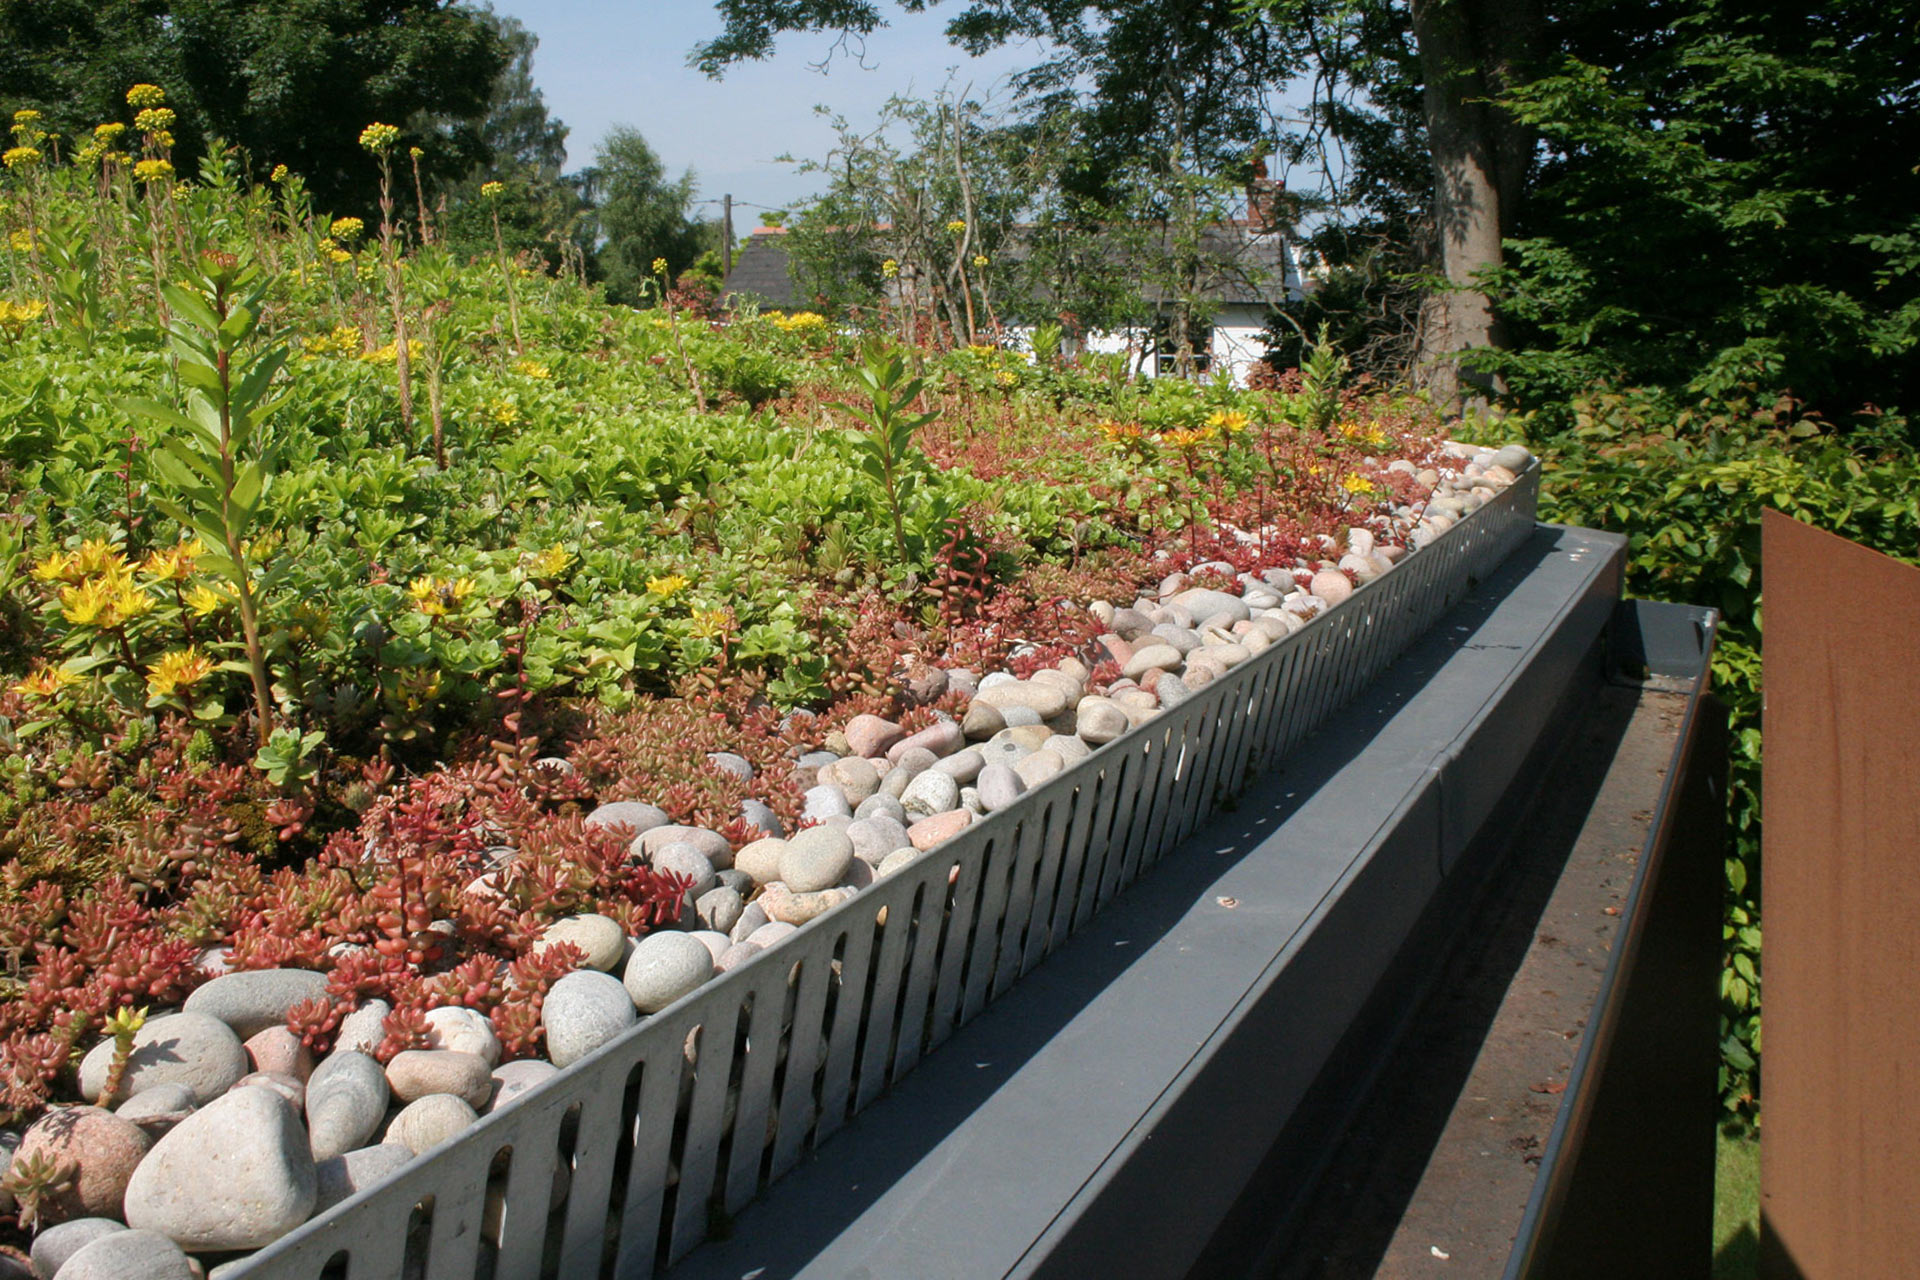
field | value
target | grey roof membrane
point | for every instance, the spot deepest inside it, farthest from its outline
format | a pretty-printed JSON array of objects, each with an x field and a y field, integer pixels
[{"x": 1101, "y": 1117}]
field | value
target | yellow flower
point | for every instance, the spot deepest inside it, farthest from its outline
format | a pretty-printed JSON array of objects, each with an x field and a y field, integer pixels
[
  {"x": 109, "y": 133},
  {"x": 343, "y": 340},
  {"x": 163, "y": 139},
  {"x": 890, "y": 268},
  {"x": 1369, "y": 434},
  {"x": 98, "y": 556},
  {"x": 1121, "y": 432},
  {"x": 438, "y": 597},
  {"x": 339, "y": 255},
  {"x": 1007, "y": 378},
  {"x": 800, "y": 322},
  {"x": 668, "y": 587},
  {"x": 532, "y": 369},
  {"x": 153, "y": 171},
  {"x": 203, "y": 599},
  {"x": 347, "y": 229},
  {"x": 659, "y": 266},
  {"x": 389, "y": 355},
  {"x": 1231, "y": 421},
  {"x": 175, "y": 564},
  {"x": 89, "y": 604},
  {"x": 26, "y": 115},
  {"x": 21, "y": 240},
  {"x": 956, "y": 227},
  {"x": 379, "y": 138},
  {"x": 979, "y": 259},
  {"x": 415, "y": 152},
  {"x": 1185, "y": 440},
  {"x": 143, "y": 96},
  {"x": 709, "y": 624},
  {"x": 154, "y": 120},
  {"x": 59, "y": 566},
  {"x": 129, "y": 602},
  {"x": 21, "y": 313},
  {"x": 47, "y": 682},
  {"x": 18, "y": 157},
  {"x": 1357, "y": 484},
  {"x": 492, "y": 190},
  {"x": 552, "y": 562},
  {"x": 279, "y": 174},
  {"x": 503, "y": 411},
  {"x": 177, "y": 671}
]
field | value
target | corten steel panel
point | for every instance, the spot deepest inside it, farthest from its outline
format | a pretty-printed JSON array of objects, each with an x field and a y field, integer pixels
[{"x": 1840, "y": 1152}]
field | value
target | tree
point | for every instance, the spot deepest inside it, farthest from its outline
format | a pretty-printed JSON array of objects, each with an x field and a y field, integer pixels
[
  {"x": 540, "y": 208},
  {"x": 523, "y": 140},
  {"x": 291, "y": 81},
  {"x": 1727, "y": 197},
  {"x": 640, "y": 215},
  {"x": 1193, "y": 85}
]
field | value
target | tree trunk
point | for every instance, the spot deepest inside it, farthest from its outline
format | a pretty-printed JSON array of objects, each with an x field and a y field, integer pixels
[{"x": 1470, "y": 52}]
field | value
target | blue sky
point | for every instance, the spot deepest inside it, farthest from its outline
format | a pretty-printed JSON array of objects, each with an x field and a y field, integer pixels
[{"x": 607, "y": 62}]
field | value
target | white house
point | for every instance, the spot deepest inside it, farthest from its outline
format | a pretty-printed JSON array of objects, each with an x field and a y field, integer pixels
[{"x": 1249, "y": 268}]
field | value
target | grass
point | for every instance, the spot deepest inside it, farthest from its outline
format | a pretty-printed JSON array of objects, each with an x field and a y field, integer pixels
[{"x": 1736, "y": 1203}]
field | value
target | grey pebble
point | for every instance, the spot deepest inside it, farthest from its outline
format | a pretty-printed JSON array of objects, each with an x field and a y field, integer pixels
[
  {"x": 719, "y": 908},
  {"x": 929, "y": 793},
  {"x": 511, "y": 1079},
  {"x": 825, "y": 800},
  {"x": 999, "y": 787},
  {"x": 346, "y": 1101},
  {"x": 584, "y": 1010},
  {"x": 756, "y": 813},
  {"x": 265, "y": 1187},
  {"x": 193, "y": 1049},
  {"x": 351, "y": 1172},
  {"x": 427, "y": 1122},
  {"x": 54, "y": 1245},
  {"x": 665, "y": 967},
  {"x": 815, "y": 859},
  {"x": 636, "y": 814},
  {"x": 963, "y": 766},
  {"x": 252, "y": 1000},
  {"x": 727, "y": 762},
  {"x": 129, "y": 1255},
  {"x": 683, "y": 859},
  {"x": 882, "y": 805}
]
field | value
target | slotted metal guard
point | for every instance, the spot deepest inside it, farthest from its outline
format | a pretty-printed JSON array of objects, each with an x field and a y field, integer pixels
[{"x": 628, "y": 1158}]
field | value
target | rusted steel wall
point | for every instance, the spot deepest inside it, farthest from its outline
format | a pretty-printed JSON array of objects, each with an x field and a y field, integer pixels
[{"x": 1840, "y": 1144}]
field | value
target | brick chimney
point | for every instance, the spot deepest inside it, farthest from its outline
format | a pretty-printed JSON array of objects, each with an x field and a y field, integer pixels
[{"x": 1263, "y": 199}]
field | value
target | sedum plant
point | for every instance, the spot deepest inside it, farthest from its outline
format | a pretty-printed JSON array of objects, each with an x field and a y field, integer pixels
[
  {"x": 885, "y": 451},
  {"x": 212, "y": 459}
]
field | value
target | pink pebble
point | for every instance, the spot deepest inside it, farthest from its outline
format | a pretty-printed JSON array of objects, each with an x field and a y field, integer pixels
[{"x": 929, "y": 832}]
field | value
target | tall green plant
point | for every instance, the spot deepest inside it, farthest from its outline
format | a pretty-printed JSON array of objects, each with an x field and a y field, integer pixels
[
  {"x": 885, "y": 451},
  {"x": 1321, "y": 375},
  {"x": 213, "y": 458}
]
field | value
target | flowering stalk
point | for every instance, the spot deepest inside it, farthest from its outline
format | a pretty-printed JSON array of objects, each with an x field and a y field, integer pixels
[
  {"x": 380, "y": 139},
  {"x": 493, "y": 191},
  {"x": 212, "y": 458},
  {"x": 659, "y": 282},
  {"x": 420, "y": 196}
]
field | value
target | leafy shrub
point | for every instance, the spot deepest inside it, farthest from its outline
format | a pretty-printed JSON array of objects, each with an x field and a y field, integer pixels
[{"x": 1687, "y": 484}]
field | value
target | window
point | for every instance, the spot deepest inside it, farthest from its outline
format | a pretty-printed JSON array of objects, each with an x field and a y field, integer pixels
[{"x": 1166, "y": 350}]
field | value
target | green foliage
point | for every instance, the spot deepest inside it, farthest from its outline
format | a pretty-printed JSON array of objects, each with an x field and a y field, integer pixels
[
  {"x": 290, "y": 759},
  {"x": 290, "y": 82},
  {"x": 1687, "y": 485},
  {"x": 214, "y": 457},
  {"x": 1321, "y": 375},
  {"x": 1727, "y": 199},
  {"x": 886, "y": 452},
  {"x": 641, "y": 215}
]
